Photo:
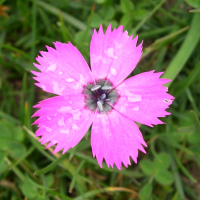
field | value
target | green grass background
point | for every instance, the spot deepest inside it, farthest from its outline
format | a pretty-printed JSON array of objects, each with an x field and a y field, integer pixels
[{"x": 171, "y": 168}]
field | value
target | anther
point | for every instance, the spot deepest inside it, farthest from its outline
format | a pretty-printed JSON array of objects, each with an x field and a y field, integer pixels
[
  {"x": 103, "y": 96},
  {"x": 106, "y": 87},
  {"x": 96, "y": 87},
  {"x": 100, "y": 106}
]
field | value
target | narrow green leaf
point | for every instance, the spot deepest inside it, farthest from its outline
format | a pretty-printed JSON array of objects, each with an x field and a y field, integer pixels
[
  {"x": 47, "y": 22},
  {"x": 63, "y": 28},
  {"x": 188, "y": 129},
  {"x": 188, "y": 80},
  {"x": 51, "y": 166},
  {"x": 33, "y": 35},
  {"x": 75, "y": 175},
  {"x": 140, "y": 24},
  {"x": 194, "y": 10},
  {"x": 68, "y": 18},
  {"x": 2, "y": 1},
  {"x": 183, "y": 169},
  {"x": 18, "y": 51},
  {"x": 107, "y": 189},
  {"x": 177, "y": 177},
  {"x": 195, "y": 121},
  {"x": 185, "y": 51}
]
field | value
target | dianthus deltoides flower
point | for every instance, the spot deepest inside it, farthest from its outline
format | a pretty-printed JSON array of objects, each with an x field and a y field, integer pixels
[{"x": 99, "y": 96}]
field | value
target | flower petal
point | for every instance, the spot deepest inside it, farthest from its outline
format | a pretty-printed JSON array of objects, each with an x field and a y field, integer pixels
[
  {"x": 63, "y": 70},
  {"x": 113, "y": 55},
  {"x": 63, "y": 120},
  {"x": 143, "y": 98},
  {"x": 114, "y": 142}
]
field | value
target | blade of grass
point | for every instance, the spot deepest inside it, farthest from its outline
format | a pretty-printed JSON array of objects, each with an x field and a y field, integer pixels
[
  {"x": 18, "y": 51},
  {"x": 89, "y": 23},
  {"x": 2, "y": 1},
  {"x": 22, "y": 158},
  {"x": 47, "y": 22},
  {"x": 195, "y": 121},
  {"x": 33, "y": 35},
  {"x": 187, "y": 129},
  {"x": 191, "y": 99},
  {"x": 177, "y": 177},
  {"x": 188, "y": 80},
  {"x": 51, "y": 166},
  {"x": 162, "y": 41},
  {"x": 75, "y": 175},
  {"x": 185, "y": 51},
  {"x": 56, "y": 194},
  {"x": 66, "y": 35},
  {"x": 108, "y": 189},
  {"x": 168, "y": 14},
  {"x": 183, "y": 169},
  {"x": 68, "y": 18},
  {"x": 16, "y": 170},
  {"x": 174, "y": 144},
  {"x": 65, "y": 164},
  {"x": 141, "y": 23},
  {"x": 194, "y": 10}
]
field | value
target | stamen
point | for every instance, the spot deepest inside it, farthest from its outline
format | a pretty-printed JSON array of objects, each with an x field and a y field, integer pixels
[
  {"x": 100, "y": 106},
  {"x": 106, "y": 87},
  {"x": 107, "y": 100},
  {"x": 96, "y": 87},
  {"x": 103, "y": 96}
]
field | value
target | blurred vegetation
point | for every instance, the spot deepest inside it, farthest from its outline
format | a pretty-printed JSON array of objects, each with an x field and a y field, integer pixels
[{"x": 171, "y": 168}]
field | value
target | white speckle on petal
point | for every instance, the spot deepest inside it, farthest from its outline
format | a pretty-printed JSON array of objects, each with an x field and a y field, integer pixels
[
  {"x": 70, "y": 102},
  {"x": 60, "y": 73},
  {"x": 54, "y": 141},
  {"x": 70, "y": 80},
  {"x": 117, "y": 45},
  {"x": 75, "y": 127},
  {"x": 56, "y": 88},
  {"x": 67, "y": 109},
  {"x": 55, "y": 114},
  {"x": 133, "y": 97},
  {"x": 136, "y": 108},
  {"x": 43, "y": 87},
  {"x": 113, "y": 71},
  {"x": 64, "y": 109},
  {"x": 47, "y": 128},
  {"x": 123, "y": 108},
  {"x": 104, "y": 61},
  {"x": 96, "y": 58},
  {"x": 95, "y": 128},
  {"x": 65, "y": 131},
  {"x": 52, "y": 67},
  {"x": 76, "y": 114},
  {"x": 49, "y": 118},
  {"x": 82, "y": 79},
  {"x": 61, "y": 122},
  {"x": 110, "y": 53},
  {"x": 81, "y": 82}
]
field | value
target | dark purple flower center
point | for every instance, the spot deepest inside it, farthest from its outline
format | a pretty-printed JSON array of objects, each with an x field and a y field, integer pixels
[{"x": 100, "y": 96}]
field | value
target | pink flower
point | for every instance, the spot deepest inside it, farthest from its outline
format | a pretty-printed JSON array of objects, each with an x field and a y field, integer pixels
[{"x": 99, "y": 96}]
